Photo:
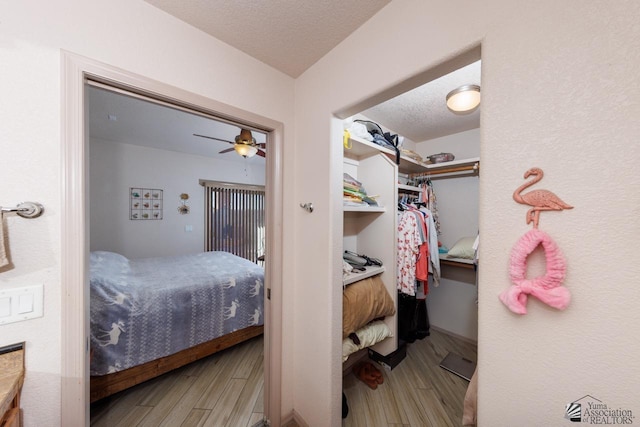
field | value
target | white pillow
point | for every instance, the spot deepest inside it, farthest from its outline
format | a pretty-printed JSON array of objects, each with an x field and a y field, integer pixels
[
  {"x": 108, "y": 260},
  {"x": 369, "y": 335},
  {"x": 463, "y": 248}
]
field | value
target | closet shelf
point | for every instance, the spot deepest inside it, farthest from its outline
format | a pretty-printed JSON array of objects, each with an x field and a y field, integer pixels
[
  {"x": 363, "y": 149},
  {"x": 376, "y": 209},
  {"x": 457, "y": 262},
  {"x": 353, "y": 277},
  {"x": 462, "y": 165},
  {"x": 404, "y": 187}
]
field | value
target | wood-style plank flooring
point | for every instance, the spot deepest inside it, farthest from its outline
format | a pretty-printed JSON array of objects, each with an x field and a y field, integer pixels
[
  {"x": 226, "y": 389},
  {"x": 417, "y": 392}
]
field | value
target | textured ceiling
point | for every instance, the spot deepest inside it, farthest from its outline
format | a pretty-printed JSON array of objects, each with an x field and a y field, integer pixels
[
  {"x": 421, "y": 114},
  {"x": 289, "y": 35},
  {"x": 128, "y": 120}
]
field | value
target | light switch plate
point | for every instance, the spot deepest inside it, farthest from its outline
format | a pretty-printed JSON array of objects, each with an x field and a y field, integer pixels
[
  {"x": 5, "y": 307},
  {"x": 24, "y": 303}
]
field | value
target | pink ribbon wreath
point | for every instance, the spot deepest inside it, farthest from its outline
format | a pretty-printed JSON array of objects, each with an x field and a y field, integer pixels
[{"x": 547, "y": 288}]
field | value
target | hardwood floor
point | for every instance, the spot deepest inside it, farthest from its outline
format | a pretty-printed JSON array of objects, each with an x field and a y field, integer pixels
[
  {"x": 226, "y": 389},
  {"x": 417, "y": 392}
]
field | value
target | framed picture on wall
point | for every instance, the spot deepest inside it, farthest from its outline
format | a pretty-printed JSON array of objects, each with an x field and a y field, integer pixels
[{"x": 145, "y": 203}]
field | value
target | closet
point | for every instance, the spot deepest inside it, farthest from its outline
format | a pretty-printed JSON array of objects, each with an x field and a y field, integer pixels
[
  {"x": 452, "y": 304},
  {"x": 372, "y": 230},
  {"x": 425, "y": 127},
  {"x": 436, "y": 362}
]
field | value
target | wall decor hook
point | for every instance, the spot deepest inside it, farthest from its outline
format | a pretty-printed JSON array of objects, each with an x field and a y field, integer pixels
[
  {"x": 539, "y": 200},
  {"x": 307, "y": 207}
]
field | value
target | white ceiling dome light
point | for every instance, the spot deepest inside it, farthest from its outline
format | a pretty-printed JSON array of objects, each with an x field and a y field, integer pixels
[
  {"x": 246, "y": 150},
  {"x": 245, "y": 144},
  {"x": 464, "y": 99}
]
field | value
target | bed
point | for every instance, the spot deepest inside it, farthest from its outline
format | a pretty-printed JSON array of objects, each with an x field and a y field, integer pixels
[{"x": 149, "y": 316}]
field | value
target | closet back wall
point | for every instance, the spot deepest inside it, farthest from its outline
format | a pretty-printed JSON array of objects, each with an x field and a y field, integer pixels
[
  {"x": 115, "y": 167},
  {"x": 452, "y": 305}
]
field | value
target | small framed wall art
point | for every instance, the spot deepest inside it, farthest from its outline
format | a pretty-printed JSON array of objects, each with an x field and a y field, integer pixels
[{"x": 145, "y": 203}]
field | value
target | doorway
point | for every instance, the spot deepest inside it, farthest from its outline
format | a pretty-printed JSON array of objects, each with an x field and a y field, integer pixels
[
  {"x": 418, "y": 114},
  {"x": 147, "y": 204},
  {"x": 75, "y": 228}
]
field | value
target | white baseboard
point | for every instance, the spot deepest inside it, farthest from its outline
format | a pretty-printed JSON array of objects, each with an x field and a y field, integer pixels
[{"x": 453, "y": 334}]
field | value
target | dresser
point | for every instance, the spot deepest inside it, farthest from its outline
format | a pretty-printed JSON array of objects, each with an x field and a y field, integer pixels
[{"x": 11, "y": 379}]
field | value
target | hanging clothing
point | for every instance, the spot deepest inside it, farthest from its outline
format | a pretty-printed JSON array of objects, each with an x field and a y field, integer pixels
[
  {"x": 413, "y": 272},
  {"x": 413, "y": 318},
  {"x": 422, "y": 263},
  {"x": 429, "y": 198},
  {"x": 413, "y": 249},
  {"x": 434, "y": 255},
  {"x": 408, "y": 250}
]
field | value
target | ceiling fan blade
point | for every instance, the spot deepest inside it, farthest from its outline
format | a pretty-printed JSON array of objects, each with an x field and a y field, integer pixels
[
  {"x": 226, "y": 151},
  {"x": 261, "y": 153},
  {"x": 213, "y": 137}
]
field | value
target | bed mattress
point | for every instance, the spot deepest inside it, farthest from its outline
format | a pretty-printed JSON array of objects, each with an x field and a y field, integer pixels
[{"x": 144, "y": 309}]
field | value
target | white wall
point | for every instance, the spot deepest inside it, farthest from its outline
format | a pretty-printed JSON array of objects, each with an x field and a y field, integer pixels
[
  {"x": 452, "y": 305},
  {"x": 133, "y": 36},
  {"x": 552, "y": 74},
  {"x": 457, "y": 196},
  {"x": 115, "y": 168}
]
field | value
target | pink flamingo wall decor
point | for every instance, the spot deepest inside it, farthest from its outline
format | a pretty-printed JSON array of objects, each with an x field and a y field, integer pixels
[
  {"x": 547, "y": 288},
  {"x": 539, "y": 200}
]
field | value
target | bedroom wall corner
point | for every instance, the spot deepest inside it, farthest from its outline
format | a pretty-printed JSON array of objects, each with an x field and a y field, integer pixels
[
  {"x": 34, "y": 37},
  {"x": 116, "y": 167}
]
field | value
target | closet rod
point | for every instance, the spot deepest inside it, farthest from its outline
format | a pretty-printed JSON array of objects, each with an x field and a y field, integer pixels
[{"x": 474, "y": 167}]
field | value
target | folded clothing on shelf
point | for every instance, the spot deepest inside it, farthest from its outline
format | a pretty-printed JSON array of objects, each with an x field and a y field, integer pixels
[{"x": 354, "y": 194}]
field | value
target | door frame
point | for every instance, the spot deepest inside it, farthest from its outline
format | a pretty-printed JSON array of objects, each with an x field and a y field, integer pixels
[{"x": 75, "y": 226}]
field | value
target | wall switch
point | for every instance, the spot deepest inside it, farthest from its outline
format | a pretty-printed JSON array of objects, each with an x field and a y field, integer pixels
[
  {"x": 25, "y": 303},
  {"x": 19, "y": 304},
  {"x": 188, "y": 228},
  {"x": 5, "y": 307}
]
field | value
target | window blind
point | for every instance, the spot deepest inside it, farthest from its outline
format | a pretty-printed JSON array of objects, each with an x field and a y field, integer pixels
[{"x": 234, "y": 217}]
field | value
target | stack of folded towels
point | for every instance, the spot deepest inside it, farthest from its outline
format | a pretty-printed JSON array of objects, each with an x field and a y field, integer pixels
[{"x": 354, "y": 194}]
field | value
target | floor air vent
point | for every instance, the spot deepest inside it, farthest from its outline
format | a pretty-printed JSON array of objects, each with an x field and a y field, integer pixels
[{"x": 458, "y": 365}]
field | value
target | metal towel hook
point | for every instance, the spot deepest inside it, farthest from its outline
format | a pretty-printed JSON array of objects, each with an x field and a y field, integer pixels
[
  {"x": 307, "y": 207},
  {"x": 26, "y": 209}
]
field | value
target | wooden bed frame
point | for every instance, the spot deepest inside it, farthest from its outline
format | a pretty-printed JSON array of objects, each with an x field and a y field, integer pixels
[{"x": 106, "y": 385}]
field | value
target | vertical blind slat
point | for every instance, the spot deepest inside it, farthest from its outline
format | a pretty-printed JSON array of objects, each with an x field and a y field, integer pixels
[{"x": 235, "y": 221}]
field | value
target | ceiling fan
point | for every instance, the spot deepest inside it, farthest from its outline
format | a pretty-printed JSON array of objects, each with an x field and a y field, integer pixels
[{"x": 245, "y": 144}]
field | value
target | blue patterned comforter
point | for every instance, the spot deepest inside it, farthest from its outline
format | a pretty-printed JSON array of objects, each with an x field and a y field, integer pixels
[{"x": 144, "y": 309}]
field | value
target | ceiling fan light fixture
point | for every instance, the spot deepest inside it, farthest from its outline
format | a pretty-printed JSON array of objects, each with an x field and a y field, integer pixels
[
  {"x": 245, "y": 137},
  {"x": 245, "y": 150},
  {"x": 464, "y": 99}
]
